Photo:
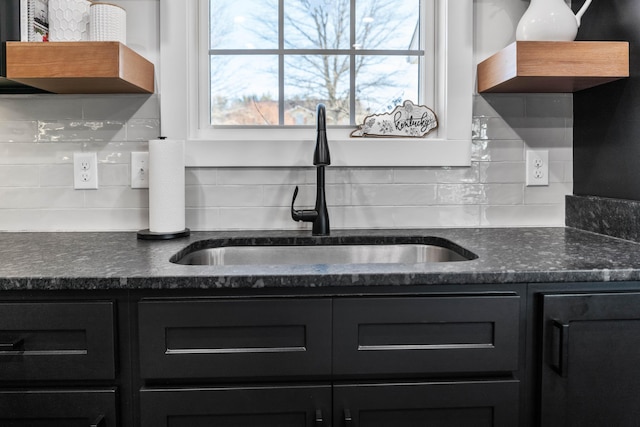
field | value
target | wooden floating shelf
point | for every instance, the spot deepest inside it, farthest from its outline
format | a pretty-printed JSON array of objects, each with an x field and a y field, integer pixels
[
  {"x": 79, "y": 67},
  {"x": 553, "y": 67}
]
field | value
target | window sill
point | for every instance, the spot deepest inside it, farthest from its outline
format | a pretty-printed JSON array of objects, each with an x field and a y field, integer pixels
[{"x": 360, "y": 152}]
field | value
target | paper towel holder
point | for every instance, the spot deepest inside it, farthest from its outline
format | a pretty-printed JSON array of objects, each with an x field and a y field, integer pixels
[
  {"x": 147, "y": 234},
  {"x": 150, "y": 235}
]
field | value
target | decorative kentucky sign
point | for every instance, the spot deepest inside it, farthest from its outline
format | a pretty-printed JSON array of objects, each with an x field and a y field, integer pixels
[{"x": 406, "y": 120}]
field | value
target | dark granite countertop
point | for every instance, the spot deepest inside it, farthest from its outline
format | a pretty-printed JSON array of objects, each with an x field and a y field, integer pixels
[{"x": 117, "y": 260}]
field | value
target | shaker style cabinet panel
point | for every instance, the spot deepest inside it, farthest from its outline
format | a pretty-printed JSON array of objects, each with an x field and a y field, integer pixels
[
  {"x": 437, "y": 404},
  {"x": 215, "y": 339},
  {"x": 426, "y": 335},
  {"x": 58, "y": 408},
  {"x": 303, "y": 406},
  {"x": 590, "y": 360},
  {"x": 57, "y": 341}
]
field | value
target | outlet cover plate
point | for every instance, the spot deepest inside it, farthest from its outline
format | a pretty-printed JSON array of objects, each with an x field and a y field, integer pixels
[
  {"x": 537, "y": 168},
  {"x": 85, "y": 171}
]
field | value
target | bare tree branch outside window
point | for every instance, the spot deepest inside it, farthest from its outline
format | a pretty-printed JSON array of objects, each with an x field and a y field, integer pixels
[{"x": 272, "y": 61}]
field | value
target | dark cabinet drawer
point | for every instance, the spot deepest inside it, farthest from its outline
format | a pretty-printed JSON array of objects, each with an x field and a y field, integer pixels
[
  {"x": 444, "y": 404},
  {"x": 68, "y": 408},
  {"x": 300, "y": 406},
  {"x": 425, "y": 335},
  {"x": 57, "y": 341},
  {"x": 235, "y": 338}
]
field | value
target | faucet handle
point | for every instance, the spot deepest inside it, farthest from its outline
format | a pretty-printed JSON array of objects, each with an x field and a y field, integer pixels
[{"x": 301, "y": 215}]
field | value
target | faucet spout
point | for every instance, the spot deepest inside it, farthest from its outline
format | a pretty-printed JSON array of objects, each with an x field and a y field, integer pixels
[
  {"x": 319, "y": 216},
  {"x": 321, "y": 155}
]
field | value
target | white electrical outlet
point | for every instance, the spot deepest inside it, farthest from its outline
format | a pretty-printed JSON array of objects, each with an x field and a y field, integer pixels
[
  {"x": 140, "y": 169},
  {"x": 537, "y": 167},
  {"x": 85, "y": 171}
]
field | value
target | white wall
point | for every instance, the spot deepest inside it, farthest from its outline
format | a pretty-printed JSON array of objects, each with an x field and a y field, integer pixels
[{"x": 38, "y": 135}]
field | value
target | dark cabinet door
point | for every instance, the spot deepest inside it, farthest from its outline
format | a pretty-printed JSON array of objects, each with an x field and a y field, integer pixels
[
  {"x": 58, "y": 408},
  {"x": 591, "y": 360},
  {"x": 303, "y": 406},
  {"x": 437, "y": 404}
]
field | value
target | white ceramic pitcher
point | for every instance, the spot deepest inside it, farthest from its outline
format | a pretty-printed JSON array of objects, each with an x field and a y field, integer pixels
[{"x": 550, "y": 20}]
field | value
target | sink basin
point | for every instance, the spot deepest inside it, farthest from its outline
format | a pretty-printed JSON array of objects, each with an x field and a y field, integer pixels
[{"x": 322, "y": 251}]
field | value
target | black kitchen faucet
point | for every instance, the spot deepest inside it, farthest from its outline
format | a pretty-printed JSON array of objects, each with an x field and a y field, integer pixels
[{"x": 319, "y": 216}]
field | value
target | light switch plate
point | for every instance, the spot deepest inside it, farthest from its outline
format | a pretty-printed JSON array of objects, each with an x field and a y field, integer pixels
[{"x": 140, "y": 169}]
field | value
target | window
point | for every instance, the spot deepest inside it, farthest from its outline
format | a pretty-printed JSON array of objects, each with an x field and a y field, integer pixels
[
  {"x": 444, "y": 82},
  {"x": 273, "y": 61}
]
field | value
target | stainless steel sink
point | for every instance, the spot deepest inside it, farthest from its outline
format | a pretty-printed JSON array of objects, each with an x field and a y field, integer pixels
[{"x": 228, "y": 253}]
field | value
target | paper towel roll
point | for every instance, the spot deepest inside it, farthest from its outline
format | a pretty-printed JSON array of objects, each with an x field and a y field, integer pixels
[{"x": 166, "y": 186}]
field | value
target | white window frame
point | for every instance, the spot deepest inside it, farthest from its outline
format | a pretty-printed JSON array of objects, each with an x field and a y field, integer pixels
[{"x": 181, "y": 66}]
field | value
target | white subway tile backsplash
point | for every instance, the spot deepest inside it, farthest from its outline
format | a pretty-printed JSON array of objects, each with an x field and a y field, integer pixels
[
  {"x": 549, "y": 106},
  {"x": 479, "y": 128},
  {"x": 332, "y": 175},
  {"x": 116, "y": 152},
  {"x": 562, "y": 153},
  {"x": 369, "y": 176},
  {"x": 453, "y": 175},
  {"x": 120, "y": 107},
  {"x": 437, "y": 216},
  {"x": 256, "y": 218},
  {"x": 94, "y": 220},
  {"x": 523, "y": 216},
  {"x": 40, "y": 107},
  {"x": 362, "y": 217},
  {"x": 461, "y": 194},
  {"x": 393, "y": 195},
  {"x": 415, "y": 175},
  {"x": 37, "y": 154},
  {"x": 556, "y": 171},
  {"x": 56, "y": 175},
  {"x": 540, "y": 137},
  {"x": 81, "y": 131},
  {"x": 201, "y": 176},
  {"x": 143, "y": 129},
  {"x": 282, "y": 195},
  {"x": 203, "y": 219},
  {"x": 554, "y": 193},
  {"x": 568, "y": 172},
  {"x": 502, "y": 105},
  {"x": 40, "y": 198},
  {"x": 114, "y": 175},
  {"x": 224, "y": 195},
  {"x": 40, "y": 133},
  {"x": 504, "y": 194},
  {"x": 498, "y": 151},
  {"x": 22, "y": 220},
  {"x": 247, "y": 176},
  {"x": 117, "y": 197},
  {"x": 502, "y": 172},
  {"x": 18, "y": 131},
  {"x": 19, "y": 176},
  {"x": 495, "y": 128}
]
